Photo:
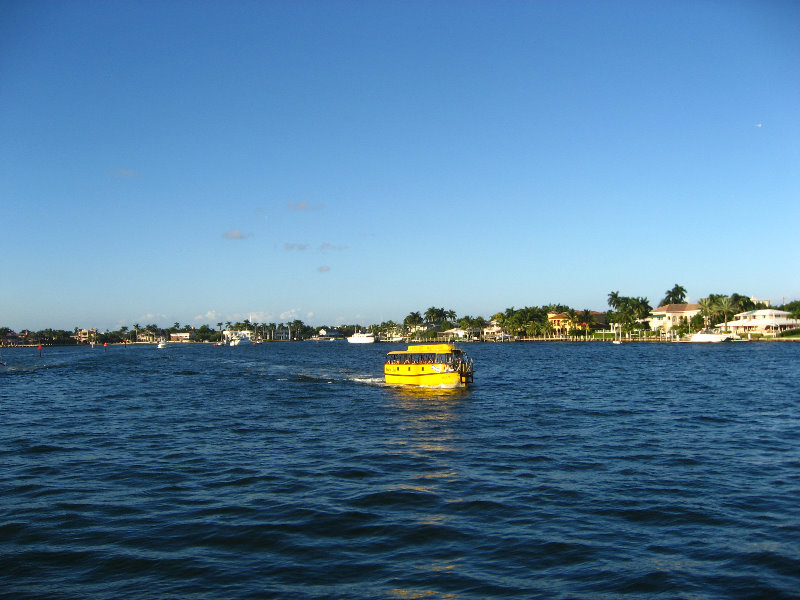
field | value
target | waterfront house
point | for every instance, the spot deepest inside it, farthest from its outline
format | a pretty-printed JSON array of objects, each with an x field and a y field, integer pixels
[
  {"x": 671, "y": 315},
  {"x": 559, "y": 322},
  {"x": 495, "y": 333},
  {"x": 84, "y": 336},
  {"x": 146, "y": 336},
  {"x": 766, "y": 320},
  {"x": 181, "y": 336},
  {"x": 12, "y": 339}
]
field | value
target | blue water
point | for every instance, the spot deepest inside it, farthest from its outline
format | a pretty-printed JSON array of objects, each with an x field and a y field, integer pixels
[{"x": 290, "y": 471}]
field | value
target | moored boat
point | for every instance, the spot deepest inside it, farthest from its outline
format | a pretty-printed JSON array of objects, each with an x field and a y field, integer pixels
[
  {"x": 361, "y": 338},
  {"x": 241, "y": 340},
  {"x": 429, "y": 365},
  {"x": 708, "y": 335}
]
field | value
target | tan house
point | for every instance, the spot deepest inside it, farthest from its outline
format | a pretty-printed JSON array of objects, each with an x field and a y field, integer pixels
[
  {"x": 84, "y": 336},
  {"x": 670, "y": 315},
  {"x": 146, "y": 337},
  {"x": 559, "y": 322}
]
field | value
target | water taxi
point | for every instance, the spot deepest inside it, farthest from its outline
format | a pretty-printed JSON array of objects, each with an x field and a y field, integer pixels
[{"x": 429, "y": 365}]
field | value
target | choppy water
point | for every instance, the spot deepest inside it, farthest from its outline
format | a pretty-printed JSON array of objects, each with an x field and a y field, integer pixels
[{"x": 291, "y": 471}]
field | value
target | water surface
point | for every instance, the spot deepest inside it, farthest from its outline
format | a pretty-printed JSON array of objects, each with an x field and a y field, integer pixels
[{"x": 289, "y": 470}]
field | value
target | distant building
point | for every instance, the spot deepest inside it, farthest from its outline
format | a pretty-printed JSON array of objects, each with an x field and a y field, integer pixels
[
  {"x": 12, "y": 339},
  {"x": 181, "y": 336},
  {"x": 670, "y": 315},
  {"x": 146, "y": 336},
  {"x": 84, "y": 336},
  {"x": 330, "y": 334},
  {"x": 495, "y": 333},
  {"x": 457, "y": 332},
  {"x": 767, "y": 320},
  {"x": 559, "y": 322}
]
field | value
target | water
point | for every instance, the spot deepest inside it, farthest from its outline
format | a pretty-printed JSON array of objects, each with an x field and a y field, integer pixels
[{"x": 291, "y": 471}]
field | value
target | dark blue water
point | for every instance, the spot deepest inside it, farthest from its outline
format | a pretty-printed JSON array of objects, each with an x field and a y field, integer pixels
[{"x": 290, "y": 471}]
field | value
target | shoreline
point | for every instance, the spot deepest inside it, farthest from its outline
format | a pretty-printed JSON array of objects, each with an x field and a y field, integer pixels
[{"x": 518, "y": 341}]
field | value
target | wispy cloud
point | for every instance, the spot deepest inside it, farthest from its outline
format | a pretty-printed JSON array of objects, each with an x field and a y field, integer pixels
[
  {"x": 303, "y": 206},
  {"x": 125, "y": 173},
  {"x": 236, "y": 234},
  {"x": 323, "y": 269},
  {"x": 289, "y": 246},
  {"x": 327, "y": 246},
  {"x": 152, "y": 318},
  {"x": 759, "y": 125},
  {"x": 211, "y": 316}
]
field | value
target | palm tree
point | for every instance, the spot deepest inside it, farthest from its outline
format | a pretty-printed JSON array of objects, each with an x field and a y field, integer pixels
[
  {"x": 414, "y": 319},
  {"x": 136, "y": 327},
  {"x": 586, "y": 319},
  {"x": 572, "y": 319},
  {"x": 298, "y": 328},
  {"x": 677, "y": 295},
  {"x": 707, "y": 306},
  {"x": 725, "y": 304},
  {"x": 613, "y": 300}
]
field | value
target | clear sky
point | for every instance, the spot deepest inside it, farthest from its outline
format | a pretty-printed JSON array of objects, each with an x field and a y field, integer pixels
[{"x": 351, "y": 162}]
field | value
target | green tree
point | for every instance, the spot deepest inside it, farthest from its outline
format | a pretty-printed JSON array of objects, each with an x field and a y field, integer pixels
[
  {"x": 707, "y": 308},
  {"x": 613, "y": 300},
  {"x": 586, "y": 320},
  {"x": 725, "y": 305},
  {"x": 414, "y": 319},
  {"x": 677, "y": 295}
]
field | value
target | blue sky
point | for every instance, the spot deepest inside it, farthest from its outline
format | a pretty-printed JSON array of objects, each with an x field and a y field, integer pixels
[{"x": 351, "y": 162}]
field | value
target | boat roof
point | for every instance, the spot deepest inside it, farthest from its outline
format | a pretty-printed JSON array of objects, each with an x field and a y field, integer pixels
[{"x": 427, "y": 349}]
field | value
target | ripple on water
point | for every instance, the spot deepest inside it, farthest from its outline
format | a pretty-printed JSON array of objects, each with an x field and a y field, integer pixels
[{"x": 289, "y": 471}]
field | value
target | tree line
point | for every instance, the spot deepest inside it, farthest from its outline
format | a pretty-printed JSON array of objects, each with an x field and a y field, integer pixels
[{"x": 627, "y": 311}]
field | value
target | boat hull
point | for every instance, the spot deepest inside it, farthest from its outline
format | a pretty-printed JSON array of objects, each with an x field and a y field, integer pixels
[
  {"x": 710, "y": 338},
  {"x": 361, "y": 337},
  {"x": 428, "y": 365},
  {"x": 423, "y": 376}
]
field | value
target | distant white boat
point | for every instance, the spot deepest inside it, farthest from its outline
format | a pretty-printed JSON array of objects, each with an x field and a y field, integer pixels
[
  {"x": 241, "y": 340},
  {"x": 361, "y": 338},
  {"x": 162, "y": 343},
  {"x": 708, "y": 335}
]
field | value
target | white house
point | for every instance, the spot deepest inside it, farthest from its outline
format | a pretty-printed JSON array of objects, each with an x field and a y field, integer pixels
[{"x": 766, "y": 320}]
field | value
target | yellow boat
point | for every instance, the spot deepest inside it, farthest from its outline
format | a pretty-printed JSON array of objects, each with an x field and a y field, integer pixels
[{"x": 429, "y": 365}]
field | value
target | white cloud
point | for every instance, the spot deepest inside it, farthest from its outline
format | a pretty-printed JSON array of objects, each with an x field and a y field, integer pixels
[
  {"x": 325, "y": 246},
  {"x": 126, "y": 173},
  {"x": 289, "y": 246},
  {"x": 210, "y": 316},
  {"x": 289, "y": 315},
  {"x": 303, "y": 206},
  {"x": 236, "y": 234},
  {"x": 152, "y": 318}
]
